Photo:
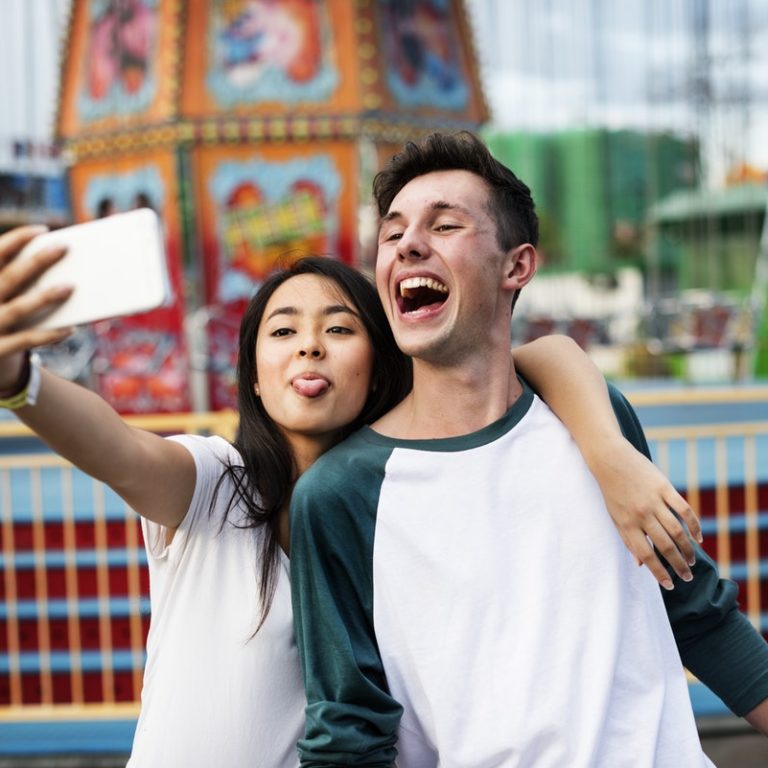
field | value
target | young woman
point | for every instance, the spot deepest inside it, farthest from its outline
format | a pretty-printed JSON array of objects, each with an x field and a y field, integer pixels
[{"x": 317, "y": 359}]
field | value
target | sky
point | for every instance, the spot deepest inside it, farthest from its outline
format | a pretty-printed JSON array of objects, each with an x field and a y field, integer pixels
[
  {"x": 692, "y": 66},
  {"x": 30, "y": 36},
  {"x": 696, "y": 67}
]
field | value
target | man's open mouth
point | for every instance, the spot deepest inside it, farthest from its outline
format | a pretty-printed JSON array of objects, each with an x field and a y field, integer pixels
[{"x": 415, "y": 293}]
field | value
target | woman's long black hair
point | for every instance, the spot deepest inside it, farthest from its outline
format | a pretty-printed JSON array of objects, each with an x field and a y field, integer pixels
[{"x": 264, "y": 481}]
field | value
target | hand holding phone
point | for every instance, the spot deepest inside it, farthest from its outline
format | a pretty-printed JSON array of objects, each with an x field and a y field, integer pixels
[{"x": 117, "y": 266}]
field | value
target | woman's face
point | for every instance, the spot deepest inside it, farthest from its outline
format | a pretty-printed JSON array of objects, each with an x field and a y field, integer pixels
[{"x": 314, "y": 361}]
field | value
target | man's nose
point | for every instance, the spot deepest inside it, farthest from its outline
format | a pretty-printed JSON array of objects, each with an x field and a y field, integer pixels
[{"x": 412, "y": 245}]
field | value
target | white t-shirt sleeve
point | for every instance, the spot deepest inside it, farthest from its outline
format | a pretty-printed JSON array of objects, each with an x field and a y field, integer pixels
[{"x": 210, "y": 455}]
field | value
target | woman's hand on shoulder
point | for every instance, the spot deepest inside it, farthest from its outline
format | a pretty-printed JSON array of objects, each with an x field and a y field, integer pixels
[{"x": 643, "y": 502}]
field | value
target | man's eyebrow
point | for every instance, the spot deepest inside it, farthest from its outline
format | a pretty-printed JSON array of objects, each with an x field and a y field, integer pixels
[
  {"x": 438, "y": 205},
  {"x": 442, "y": 205},
  {"x": 389, "y": 216}
]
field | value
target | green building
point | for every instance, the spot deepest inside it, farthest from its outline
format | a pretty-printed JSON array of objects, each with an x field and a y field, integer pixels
[{"x": 593, "y": 188}]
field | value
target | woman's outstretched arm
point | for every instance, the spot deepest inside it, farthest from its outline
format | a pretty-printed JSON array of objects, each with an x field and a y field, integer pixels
[
  {"x": 640, "y": 499},
  {"x": 156, "y": 477}
]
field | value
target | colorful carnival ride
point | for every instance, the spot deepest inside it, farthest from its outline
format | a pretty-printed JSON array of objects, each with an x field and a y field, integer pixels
[{"x": 254, "y": 128}]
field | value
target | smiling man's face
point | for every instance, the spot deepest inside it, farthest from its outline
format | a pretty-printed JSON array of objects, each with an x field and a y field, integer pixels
[{"x": 439, "y": 265}]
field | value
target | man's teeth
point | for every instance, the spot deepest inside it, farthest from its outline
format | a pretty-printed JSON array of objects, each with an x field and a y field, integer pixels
[{"x": 412, "y": 283}]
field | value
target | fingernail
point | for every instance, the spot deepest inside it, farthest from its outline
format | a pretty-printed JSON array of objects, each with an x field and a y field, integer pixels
[
  {"x": 692, "y": 561},
  {"x": 699, "y": 538},
  {"x": 687, "y": 576},
  {"x": 667, "y": 584}
]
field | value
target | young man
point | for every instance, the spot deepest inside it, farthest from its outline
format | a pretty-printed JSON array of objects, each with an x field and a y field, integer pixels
[{"x": 461, "y": 597}]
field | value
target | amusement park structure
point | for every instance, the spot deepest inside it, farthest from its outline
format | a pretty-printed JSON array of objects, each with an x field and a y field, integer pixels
[{"x": 253, "y": 127}]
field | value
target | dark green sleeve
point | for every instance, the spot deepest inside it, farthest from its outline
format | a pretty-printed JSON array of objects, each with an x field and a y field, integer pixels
[
  {"x": 716, "y": 641},
  {"x": 351, "y": 720}
]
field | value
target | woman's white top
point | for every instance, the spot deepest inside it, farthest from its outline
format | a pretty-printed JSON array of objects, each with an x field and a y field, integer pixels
[{"x": 215, "y": 693}]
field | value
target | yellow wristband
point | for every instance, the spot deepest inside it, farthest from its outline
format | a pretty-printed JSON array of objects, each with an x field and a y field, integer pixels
[{"x": 28, "y": 395}]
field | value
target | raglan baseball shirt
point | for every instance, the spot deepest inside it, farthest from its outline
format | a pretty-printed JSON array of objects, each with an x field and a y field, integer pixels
[{"x": 468, "y": 603}]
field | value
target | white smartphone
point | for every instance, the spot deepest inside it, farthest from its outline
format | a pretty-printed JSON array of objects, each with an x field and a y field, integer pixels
[{"x": 116, "y": 264}]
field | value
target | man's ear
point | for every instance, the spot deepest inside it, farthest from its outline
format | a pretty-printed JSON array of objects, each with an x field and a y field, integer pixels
[{"x": 519, "y": 266}]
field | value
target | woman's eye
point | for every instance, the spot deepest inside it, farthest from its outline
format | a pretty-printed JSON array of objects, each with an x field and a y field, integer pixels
[
  {"x": 446, "y": 227},
  {"x": 281, "y": 332},
  {"x": 393, "y": 236},
  {"x": 339, "y": 329}
]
